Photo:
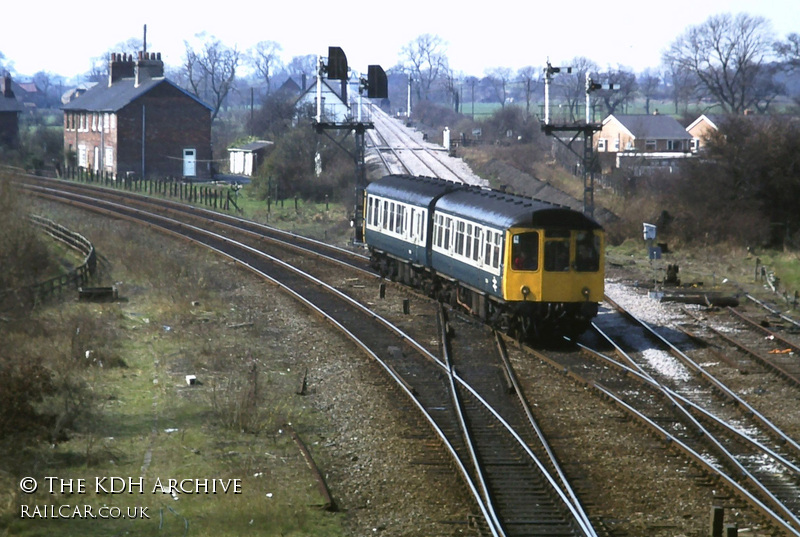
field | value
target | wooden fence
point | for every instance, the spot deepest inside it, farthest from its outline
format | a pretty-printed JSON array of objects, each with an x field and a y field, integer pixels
[
  {"x": 76, "y": 277},
  {"x": 210, "y": 195}
]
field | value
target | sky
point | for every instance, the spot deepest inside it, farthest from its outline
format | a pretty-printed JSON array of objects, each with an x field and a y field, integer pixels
[{"x": 61, "y": 38}]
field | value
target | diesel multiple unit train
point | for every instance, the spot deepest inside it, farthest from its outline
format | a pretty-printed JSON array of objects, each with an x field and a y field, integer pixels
[{"x": 532, "y": 268}]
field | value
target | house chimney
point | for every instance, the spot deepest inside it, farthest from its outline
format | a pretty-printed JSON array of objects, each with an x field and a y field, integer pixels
[
  {"x": 148, "y": 66},
  {"x": 8, "y": 93},
  {"x": 120, "y": 66}
]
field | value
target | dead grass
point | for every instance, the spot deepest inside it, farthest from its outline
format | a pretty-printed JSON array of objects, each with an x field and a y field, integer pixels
[{"x": 183, "y": 312}]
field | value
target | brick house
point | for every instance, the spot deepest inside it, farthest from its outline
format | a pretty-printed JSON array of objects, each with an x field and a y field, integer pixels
[
  {"x": 140, "y": 123},
  {"x": 10, "y": 108},
  {"x": 642, "y": 142}
]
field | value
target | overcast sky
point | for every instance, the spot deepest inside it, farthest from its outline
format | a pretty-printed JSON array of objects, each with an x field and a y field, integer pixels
[{"x": 62, "y": 37}]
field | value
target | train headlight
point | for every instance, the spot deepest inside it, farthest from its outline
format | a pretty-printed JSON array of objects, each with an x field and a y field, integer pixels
[
  {"x": 585, "y": 292},
  {"x": 525, "y": 290}
]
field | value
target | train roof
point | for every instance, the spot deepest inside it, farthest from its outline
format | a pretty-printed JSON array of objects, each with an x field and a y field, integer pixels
[
  {"x": 488, "y": 207},
  {"x": 502, "y": 211},
  {"x": 420, "y": 191}
]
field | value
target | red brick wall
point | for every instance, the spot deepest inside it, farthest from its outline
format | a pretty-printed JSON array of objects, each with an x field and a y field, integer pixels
[{"x": 173, "y": 122}]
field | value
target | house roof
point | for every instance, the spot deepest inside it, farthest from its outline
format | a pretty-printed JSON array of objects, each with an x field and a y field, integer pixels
[
  {"x": 653, "y": 127},
  {"x": 326, "y": 88},
  {"x": 10, "y": 104},
  {"x": 712, "y": 120},
  {"x": 103, "y": 98}
]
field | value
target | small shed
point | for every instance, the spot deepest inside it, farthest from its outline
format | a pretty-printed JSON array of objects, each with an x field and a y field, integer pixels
[{"x": 245, "y": 159}]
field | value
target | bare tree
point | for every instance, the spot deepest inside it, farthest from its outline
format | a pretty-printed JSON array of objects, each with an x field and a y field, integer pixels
[
  {"x": 531, "y": 78},
  {"x": 624, "y": 88},
  {"x": 727, "y": 54},
  {"x": 788, "y": 51},
  {"x": 649, "y": 83},
  {"x": 264, "y": 57},
  {"x": 99, "y": 69},
  {"x": 425, "y": 58},
  {"x": 452, "y": 86},
  {"x": 211, "y": 72},
  {"x": 499, "y": 79},
  {"x": 301, "y": 66},
  {"x": 572, "y": 87},
  {"x": 682, "y": 84}
]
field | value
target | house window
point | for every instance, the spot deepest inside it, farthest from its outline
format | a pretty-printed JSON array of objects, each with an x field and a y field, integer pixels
[
  {"x": 113, "y": 121},
  {"x": 106, "y": 122},
  {"x": 94, "y": 122},
  {"x": 674, "y": 145},
  {"x": 616, "y": 144},
  {"x": 82, "y": 156},
  {"x": 695, "y": 144},
  {"x": 108, "y": 157},
  {"x": 601, "y": 144},
  {"x": 650, "y": 145}
]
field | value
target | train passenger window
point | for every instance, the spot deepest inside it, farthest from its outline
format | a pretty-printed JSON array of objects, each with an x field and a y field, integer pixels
[
  {"x": 487, "y": 248},
  {"x": 385, "y": 214},
  {"x": 476, "y": 243},
  {"x": 448, "y": 224},
  {"x": 391, "y": 216},
  {"x": 459, "y": 249},
  {"x": 370, "y": 208},
  {"x": 401, "y": 214},
  {"x": 439, "y": 231},
  {"x": 412, "y": 229},
  {"x": 525, "y": 251},
  {"x": 587, "y": 251},
  {"x": 468, "y": 242},
  {"x": 556, "y": 255},
  {"x": 496, "y": 251},
  {"x": 419, "y": 226}
]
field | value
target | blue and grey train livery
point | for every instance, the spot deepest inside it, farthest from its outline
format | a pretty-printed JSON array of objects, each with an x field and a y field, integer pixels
[{"x": 531, "y": 267}]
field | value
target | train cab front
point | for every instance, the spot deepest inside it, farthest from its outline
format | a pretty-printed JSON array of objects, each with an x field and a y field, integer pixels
[{"x": 555, "y": 268}]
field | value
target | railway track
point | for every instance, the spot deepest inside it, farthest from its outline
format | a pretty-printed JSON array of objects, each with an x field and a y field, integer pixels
[
  {"x": 711, "y": 423},
  {"x": 397, "y": 361},
  {"x": 407, "y": 362},
  {"x": 403, "y": 153}
]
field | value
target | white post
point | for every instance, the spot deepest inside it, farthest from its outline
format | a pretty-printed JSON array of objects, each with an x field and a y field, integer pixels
[
  {"x": 588, "y": 98},
  {"x": 408, "y": 108},
  {"x": 547, "y": 78},
  {"x": 319, "y": 89}
]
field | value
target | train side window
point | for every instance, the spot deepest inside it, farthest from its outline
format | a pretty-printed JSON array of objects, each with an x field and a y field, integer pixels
[
  {"x": 401, "y": 215},
  {"x": 525, "y": 251},
  {"x": 439, "y": 230},
  {"x": 476, "y": 244},
  {"x": 459, "y": 249},
  {"x": 412, "y": 214},
  {"x": 496, "y": 251},
  {"x": 448, "y": 224},
  {"x": 370, "y": 209},
  {"x": 556, "y": 255},
  {"x": 420, "y": 228},
  {"x": 468, "y": 242},
  {"x": 385, "y": 220},
  {"x": 487, "y": 248},
  {"x": 391, "y": 216},
  {"x": 587, "y": 251}
]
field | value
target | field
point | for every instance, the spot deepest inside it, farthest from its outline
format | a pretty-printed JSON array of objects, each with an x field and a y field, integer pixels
[{"x": 126, "y": 363}]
